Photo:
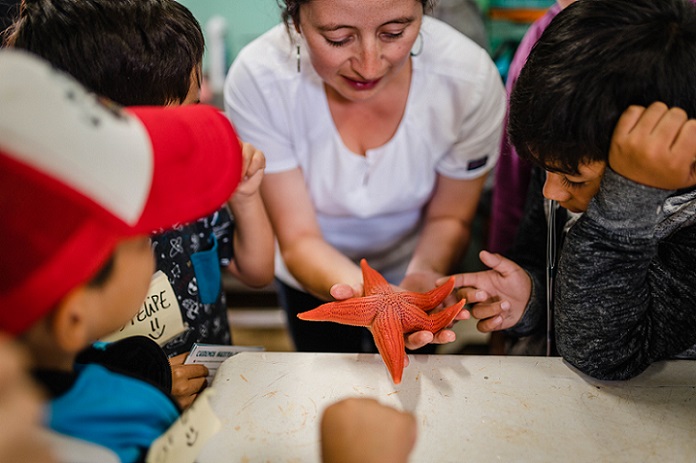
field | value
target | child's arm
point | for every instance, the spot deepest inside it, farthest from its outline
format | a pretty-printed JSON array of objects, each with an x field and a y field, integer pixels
[
  {"x": 253, "y": 236},
  {"x": 365, "y": 431},
  {"x": 20, "y": 409},
  {"x": 655, "y": 147},
  {"x": 624, "y": 291}
]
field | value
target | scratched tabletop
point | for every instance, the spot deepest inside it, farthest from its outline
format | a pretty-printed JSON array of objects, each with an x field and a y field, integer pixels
[{"x": 468, "y": 408}]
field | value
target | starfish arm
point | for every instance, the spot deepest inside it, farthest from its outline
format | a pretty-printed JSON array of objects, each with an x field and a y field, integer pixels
[
  {"x": 446, "y": 316},
  {"x": 373, "y": 282},
  {"x": 388, "y": 335},
  {"x": 431, "y": 322},
  {"x": 356, "y": 311},
  {"x": 413, "y": 318},
  {"x": 432, "y": 298}
]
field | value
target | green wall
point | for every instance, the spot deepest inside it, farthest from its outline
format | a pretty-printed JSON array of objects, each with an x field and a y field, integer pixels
[{"x": 246, "y": 19}]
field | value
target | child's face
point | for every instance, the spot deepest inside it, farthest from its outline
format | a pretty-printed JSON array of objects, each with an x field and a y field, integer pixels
[
  {"x": 194, "y": 93},
  {"x": 574, "y": 192},
  {"x": 123, "y": 292}
]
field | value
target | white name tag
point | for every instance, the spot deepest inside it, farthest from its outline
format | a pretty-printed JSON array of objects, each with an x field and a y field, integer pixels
[
  {"x": 185, "y": 439},
  {"x": 159, "y": 318}
]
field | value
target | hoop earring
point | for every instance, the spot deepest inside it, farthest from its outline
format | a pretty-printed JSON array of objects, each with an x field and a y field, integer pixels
[
  {"x": 298, "y": 58},
  {"x": 420, "y": 45}
]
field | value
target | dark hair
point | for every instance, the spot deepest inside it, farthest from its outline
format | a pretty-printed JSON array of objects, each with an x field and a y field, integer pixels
[
  {"x": 596, "y": 58},
  {"x": 135, "y": 52},
  {"x": 291, "y": 9}
]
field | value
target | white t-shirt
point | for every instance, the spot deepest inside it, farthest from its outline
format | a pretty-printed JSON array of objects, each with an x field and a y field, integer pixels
[{"x": 371, "y": 206}]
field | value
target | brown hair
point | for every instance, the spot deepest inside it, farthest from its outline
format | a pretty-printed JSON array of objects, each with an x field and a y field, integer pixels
[{"x": 291, "y": 9}]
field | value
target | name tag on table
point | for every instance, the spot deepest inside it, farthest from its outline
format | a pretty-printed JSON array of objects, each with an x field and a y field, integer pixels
[
  {"x": 212, "y": 355},
  {"x": 185, "y": 439},
  {"x": 159, "y": 318}
]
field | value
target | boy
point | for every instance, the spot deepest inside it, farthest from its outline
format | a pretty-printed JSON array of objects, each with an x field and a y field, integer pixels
[
  {"x": 82, "y": 185},
  {"x": 150, "y": 52},
  {"x": 625, "y": 276}
]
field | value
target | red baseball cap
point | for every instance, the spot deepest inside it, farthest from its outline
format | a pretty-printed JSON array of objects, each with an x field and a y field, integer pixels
[{"x": 78, "y": 175}]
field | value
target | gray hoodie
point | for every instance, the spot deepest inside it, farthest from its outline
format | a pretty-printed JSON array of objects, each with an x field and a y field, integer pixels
[{"x": 626, "y": 284}]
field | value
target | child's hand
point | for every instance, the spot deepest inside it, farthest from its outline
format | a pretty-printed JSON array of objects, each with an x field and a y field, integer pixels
[
  {"x": 187, "y": 380},
  {"x": 498, "y": 296},
  {"x": 423, "y": 282},
  {"x": 365, "y": 431},
  {"x": 253, "y": 165},
  {"x": 655, "y": 147}
]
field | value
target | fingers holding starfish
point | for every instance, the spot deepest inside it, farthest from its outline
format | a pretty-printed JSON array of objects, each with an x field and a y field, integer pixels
[
  {"x": 420, "y": 339},
  {"x": 389, "y": 314},
  {"x": 341, "y": 291}
]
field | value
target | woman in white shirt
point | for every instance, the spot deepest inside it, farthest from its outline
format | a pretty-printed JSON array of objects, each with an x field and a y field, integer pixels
[{"x": 379, "y": 125}]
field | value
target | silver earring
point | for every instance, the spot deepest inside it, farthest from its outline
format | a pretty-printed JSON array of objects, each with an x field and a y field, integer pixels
[
  {"x": 420, "y": 45},
  {"x": 298, "y": 58}
]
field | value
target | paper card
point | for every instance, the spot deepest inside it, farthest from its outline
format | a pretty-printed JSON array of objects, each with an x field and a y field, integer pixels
[
  {"x": 185, "y": 439},
  {"x": 159, "y": 318},
  {"x": 212, "y": 355}
]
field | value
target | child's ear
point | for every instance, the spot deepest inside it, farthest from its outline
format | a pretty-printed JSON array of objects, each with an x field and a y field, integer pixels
[{"x": 70, "y": 323}]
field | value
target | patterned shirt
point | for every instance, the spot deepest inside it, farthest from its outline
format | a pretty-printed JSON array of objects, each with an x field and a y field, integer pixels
[{"x": 192, "y": 256}]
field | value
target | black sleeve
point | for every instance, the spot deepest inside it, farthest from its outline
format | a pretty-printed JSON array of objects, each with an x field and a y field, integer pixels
[{"x": 136, "y": 356}]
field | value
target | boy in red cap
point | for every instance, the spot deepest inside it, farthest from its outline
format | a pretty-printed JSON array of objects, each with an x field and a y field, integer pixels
[
  {"x": 149, "y": 52},
  {"x": 82, "y": 185}
]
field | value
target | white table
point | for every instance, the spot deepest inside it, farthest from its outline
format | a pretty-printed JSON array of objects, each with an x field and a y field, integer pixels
[{"x": 469, "y": 408}]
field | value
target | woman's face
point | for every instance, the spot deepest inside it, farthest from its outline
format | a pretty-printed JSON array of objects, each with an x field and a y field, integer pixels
[
  {"x": 574, "y": 192},
  {"x": 358, "y": 46}
]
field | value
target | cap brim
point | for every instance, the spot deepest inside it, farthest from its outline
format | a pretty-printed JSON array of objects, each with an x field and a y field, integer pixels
[{"x": 197, "y": 164}]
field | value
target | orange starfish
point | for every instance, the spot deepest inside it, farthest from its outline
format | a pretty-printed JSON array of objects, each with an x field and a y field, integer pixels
[{"x": 388, "y": 314}]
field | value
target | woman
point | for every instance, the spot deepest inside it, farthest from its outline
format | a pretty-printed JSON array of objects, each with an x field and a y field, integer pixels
[{"x": 379, "y": 126}]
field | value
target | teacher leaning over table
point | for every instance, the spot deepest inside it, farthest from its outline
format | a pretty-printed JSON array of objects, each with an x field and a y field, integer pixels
[{"x": 379, "y": 125}]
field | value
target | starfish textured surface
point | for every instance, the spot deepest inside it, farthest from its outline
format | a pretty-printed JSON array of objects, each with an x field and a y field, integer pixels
[{"x": 388, "y": 314}]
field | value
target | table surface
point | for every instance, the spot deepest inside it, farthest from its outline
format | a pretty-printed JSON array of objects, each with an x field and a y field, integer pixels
[{"x": 468, "y": 408}]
